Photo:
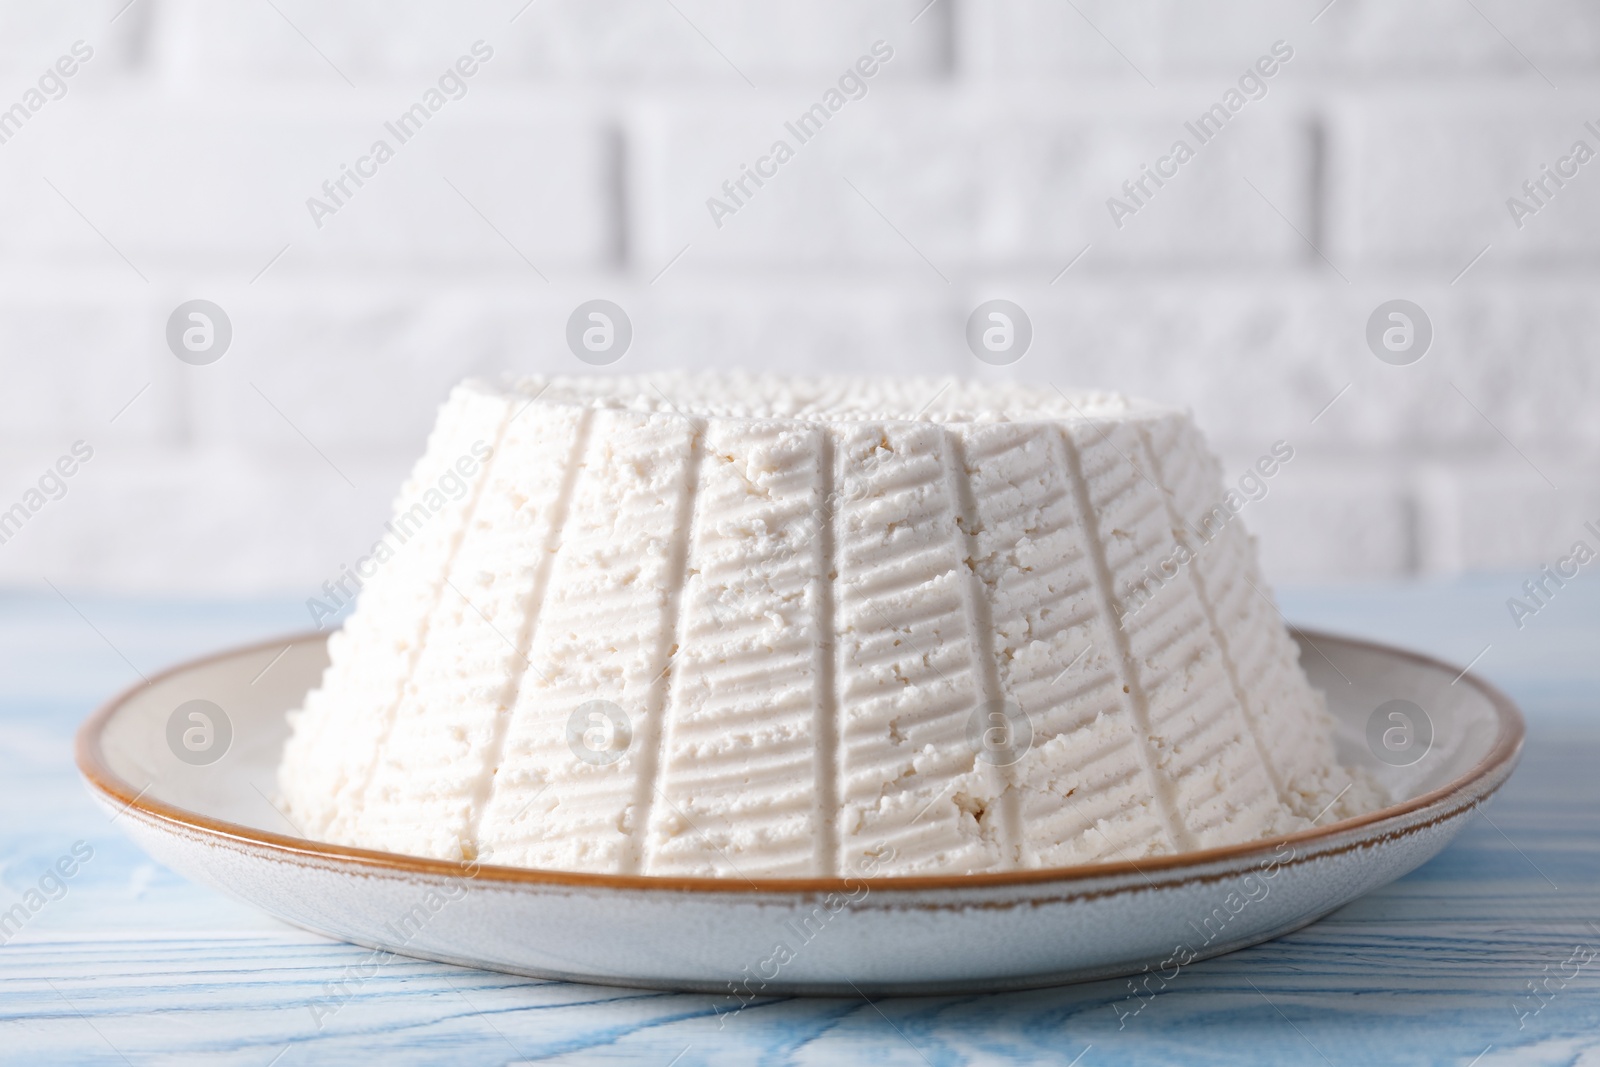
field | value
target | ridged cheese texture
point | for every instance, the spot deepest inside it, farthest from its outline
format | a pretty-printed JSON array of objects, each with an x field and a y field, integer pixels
[{"x": 737, "y": 627}]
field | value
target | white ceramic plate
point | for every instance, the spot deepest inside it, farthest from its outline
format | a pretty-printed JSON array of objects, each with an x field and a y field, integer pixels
[{"x": 216, "y": 824}]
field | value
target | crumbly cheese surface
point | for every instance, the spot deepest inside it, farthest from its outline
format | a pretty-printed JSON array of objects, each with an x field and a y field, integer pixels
[{"x": 737, "y": 626}]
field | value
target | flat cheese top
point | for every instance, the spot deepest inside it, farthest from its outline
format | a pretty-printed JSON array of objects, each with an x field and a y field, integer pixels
[{"x": 739, "y": 395}]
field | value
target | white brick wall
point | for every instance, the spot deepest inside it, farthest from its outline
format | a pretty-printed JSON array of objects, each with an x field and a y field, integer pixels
[
  {"x": 578, "y": 164},
  {"x": 985, "y": 180}
]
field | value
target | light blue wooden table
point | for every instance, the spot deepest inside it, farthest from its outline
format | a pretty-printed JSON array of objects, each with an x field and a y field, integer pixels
[{"x": 135, "y": 965}]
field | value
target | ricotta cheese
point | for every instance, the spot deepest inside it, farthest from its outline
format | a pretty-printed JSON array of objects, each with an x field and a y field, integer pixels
[{"x": 735, "y": 626}]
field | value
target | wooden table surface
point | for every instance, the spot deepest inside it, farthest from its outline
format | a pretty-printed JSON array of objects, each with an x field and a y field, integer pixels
[{"x": 128, "y": 963}]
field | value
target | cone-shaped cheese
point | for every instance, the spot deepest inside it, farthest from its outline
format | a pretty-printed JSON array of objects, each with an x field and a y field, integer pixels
[{"x": 740, "y": 627}]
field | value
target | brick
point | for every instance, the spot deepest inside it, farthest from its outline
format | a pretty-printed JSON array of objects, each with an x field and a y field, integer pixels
[
  {"x": 80, "y": 352},
  {"x": 1256, "y": 363},
  {"x": 641, "y": 40},
  {"x": 34, "y": 36},
  {"x": 1331, "y": 519},
  {"x": 1166, "y": 40},
  {"x": 804, "y": 326},
  {"x": 968, "y": 183},
  {"x": 1435, "y": 37},
  {"x": 349, "y": 368},
  {"x": 1510, "y": 367},
  {"x": 1159, "y": 42},
  {"x": 1522, "y": 354},
  {"x": 1222, "y": 41},
  {"x": 226, "y": 181},
  {"x": 1424, "y": 181},
  {"x": 1156, "y": 41},
  {"x": 1499, "y": 514},
  {"x": 1035, "y": 39},
  {"x": 716, "y": 42}
]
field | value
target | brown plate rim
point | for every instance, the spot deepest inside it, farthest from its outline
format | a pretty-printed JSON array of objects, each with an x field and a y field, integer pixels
[{"x": 99, "y": 776}]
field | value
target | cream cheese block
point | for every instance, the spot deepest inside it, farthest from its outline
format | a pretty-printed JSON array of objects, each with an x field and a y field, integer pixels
[{"x": 734, "y": 626}]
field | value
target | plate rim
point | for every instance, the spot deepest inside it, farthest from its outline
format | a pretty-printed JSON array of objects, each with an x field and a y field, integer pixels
[{"x": 1495, "y": 766}]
